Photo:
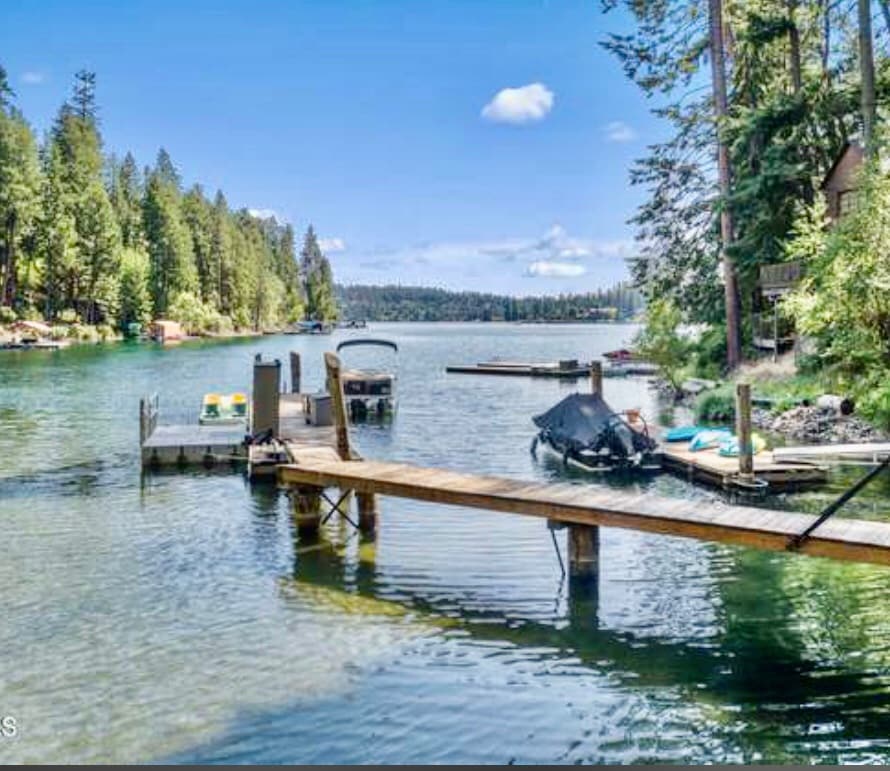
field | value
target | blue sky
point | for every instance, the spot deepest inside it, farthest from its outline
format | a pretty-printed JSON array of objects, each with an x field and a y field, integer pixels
[{"x": 385, "y": 123}]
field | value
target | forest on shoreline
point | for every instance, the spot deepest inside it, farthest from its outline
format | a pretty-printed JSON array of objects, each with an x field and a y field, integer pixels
[
  {"x": 88, "y": 238},
  {"x": 417, "y": 303}
]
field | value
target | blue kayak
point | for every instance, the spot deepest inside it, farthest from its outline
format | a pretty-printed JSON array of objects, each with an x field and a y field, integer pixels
[
  {"x": 708, "y": 439},
  {"x": 686, "y": 433},
  {"x": 681, "y": 433}
]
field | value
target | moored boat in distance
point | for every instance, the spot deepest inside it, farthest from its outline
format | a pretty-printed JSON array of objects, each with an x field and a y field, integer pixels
[{"x": 370, "y": 394}]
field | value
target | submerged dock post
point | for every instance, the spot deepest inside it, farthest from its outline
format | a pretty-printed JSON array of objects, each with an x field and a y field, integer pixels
[
  {"x": 584, "y": 551},
  {"x": 743, "y": 430},
  {"x": 307, "y": 509},
  {"x": 584, "y": 540},
  {"x": 596, "y": 377},
  {"x": 295, "y": 372}
]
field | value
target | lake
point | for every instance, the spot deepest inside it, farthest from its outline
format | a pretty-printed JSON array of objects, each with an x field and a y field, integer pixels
[{"x": 177, "y": 617}]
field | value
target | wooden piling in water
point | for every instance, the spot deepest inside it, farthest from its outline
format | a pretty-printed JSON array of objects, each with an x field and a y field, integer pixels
[
  {"x": 596, "y": 377},
  {"x": 307, "y": 509},
  {"x": 584, "y": 540},
  {"x": 584, "y": 551},
  {"x": 743, "y": 430},
  {"x": 366, "y": 502},
  {"x": 295, "y": 372}
]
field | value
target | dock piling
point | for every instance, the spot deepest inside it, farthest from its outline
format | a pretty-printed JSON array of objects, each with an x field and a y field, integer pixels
[
  {"x": 266, "y": 387},
  {"x": 307, "y": 509},
  {"x": 596, "y": 377},
  {"x": 295, "y": 372},
  {"x": 743, "y": 429},
  {"x": 584, "y": 551},
  {"x": 584, "y": 540}
]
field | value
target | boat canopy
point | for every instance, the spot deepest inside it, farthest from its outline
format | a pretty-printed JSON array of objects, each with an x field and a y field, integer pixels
[
  {"x": 367, "y": 341},
  {"x": 586, "y": 422}
]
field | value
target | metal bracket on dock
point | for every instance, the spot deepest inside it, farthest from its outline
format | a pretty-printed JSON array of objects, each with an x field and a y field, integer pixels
[
  {"x": 796, "y": 541},
  {"x": 335, "y": 507}
]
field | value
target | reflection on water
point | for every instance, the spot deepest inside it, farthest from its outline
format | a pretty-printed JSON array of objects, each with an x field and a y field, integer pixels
[{"x": 181, "y": 617}]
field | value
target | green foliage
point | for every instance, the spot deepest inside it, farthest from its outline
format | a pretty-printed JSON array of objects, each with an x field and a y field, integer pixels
[
  {"x": 660, "y": 341},
  {"x": 135, "y": 297},
  {"x": 394, "y": 302},
  {"x": 82, "y": 232},
  {"x": 716, "y": 406},
  {"x": 709, "y": 352},
  {"x": 7, "y": 315},
  {"x": 69, "y": 316},
  {"x": 318, "y": 281}
]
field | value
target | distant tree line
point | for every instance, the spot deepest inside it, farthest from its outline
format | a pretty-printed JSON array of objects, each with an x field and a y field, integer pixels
[
  {"x": 89, "y": 237},
  {"x": 414, "y": 303}
]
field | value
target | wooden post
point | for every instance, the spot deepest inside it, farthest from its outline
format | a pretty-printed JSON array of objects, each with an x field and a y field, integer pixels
[
  {"x": 307, "y": 509},
  {"x": 743, "y": 429},
  {"x": 584, "y": 551},
  {"x": 265, "y": 395},
  {"x": 143, "y": 422},
  {"x": 295, "y": 372},
  {"x": 776, "y": 329},
  {"x": 338, "y": 404},
  {"x": 596, "y": 377},
  {"x": 367, "y": 512}
]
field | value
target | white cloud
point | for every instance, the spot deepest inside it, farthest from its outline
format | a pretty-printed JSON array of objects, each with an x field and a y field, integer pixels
[
  {"x": 549, "y": 269},
  {"x": 33, "y": 78},
  {"x": 519, "y": 105},
  {"x": 332, "y": 245},
  {"x": 266, "y": 214},
  {"x": 619, "y": 131}
]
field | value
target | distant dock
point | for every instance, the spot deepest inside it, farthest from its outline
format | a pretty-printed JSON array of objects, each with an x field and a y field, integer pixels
[{"x": 568, "y": 369}]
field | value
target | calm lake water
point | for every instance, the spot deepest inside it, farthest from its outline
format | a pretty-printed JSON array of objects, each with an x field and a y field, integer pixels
[{"x": 177, "y": 617}]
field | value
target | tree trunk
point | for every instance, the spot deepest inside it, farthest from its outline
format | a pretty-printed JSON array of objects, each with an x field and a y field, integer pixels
[
  {"x": 718, "y": 73},
  {"x": 826, "y": 39},
  {"x": 794, "y": 48},
  {"x": 867, "y": 74}
]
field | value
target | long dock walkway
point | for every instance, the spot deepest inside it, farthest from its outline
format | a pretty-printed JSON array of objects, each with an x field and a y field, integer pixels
[{"x": 843, "y": 539}]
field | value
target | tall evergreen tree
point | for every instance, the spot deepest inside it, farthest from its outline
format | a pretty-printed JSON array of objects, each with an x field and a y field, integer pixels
[{"x": 20, "y": 184}]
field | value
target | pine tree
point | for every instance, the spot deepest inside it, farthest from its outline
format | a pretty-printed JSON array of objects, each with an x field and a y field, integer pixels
[
  {"x": 169, "y": 245},
  {"x": 20, "y": 184}
]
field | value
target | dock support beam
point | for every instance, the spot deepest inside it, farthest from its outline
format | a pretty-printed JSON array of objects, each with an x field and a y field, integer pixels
[
  {"x": 367, "y": 512},
  {"x": 366, "y": 502},
  {"x": 307, "y": 509},
  {"x": 584, "y": 551},
  {"x": 743, "y": 430},
  {"x": 584, "y": 540}
]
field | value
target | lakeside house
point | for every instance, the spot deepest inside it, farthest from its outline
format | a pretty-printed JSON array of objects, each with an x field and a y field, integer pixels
[
  {"x": 165, "y": 331},
  {"x": 840, "y": 185}
]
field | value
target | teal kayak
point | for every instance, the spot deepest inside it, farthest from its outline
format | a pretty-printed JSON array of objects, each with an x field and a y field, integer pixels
[
  {"x": 682, "y": 433},
  {"x": 708, "y": 439}
]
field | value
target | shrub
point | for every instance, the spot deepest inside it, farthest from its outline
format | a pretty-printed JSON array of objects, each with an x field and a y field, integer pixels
[
  {"x": 105, "y": 332},
  {"x": 7, "y": 315},
  {"x": 68, "y": 316},
  {"x": 660, "y": 341},
  {"x": 58, "y": 332},
  {"x": 717, "y": 406}
]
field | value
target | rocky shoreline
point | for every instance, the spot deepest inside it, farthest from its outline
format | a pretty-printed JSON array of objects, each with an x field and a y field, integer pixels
[{"x": 809, "y": 424}]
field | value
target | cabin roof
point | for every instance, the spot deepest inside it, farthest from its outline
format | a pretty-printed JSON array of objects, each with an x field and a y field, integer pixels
[{"x": 849, "y": 147}]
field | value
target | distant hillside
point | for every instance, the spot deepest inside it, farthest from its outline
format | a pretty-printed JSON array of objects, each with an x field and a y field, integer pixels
[{"x": 417, "y": 303}]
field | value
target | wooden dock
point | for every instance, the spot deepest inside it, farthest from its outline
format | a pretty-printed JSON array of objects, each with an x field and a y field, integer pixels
[
  {"x": 552, "y": 369},
  {"x": 844, "y": 539},
  {"x": 710, "y": 467},
  {"x": 869, "y": 453}
]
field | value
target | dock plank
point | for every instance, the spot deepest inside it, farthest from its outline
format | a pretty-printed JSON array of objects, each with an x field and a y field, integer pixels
[{"x": 854, "y": 540}]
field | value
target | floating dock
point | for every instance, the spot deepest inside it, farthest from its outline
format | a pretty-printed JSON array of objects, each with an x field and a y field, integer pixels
[
  {"x": 769, "y": 472},
  {"x": 558, "y": 369}
]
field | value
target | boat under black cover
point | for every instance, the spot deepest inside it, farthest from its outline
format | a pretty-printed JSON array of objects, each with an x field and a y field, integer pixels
[{"x": 587, "y": 432}]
